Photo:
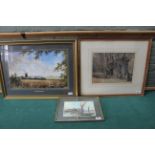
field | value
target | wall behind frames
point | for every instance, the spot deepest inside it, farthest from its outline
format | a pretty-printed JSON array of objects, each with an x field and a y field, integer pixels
[{"x": 151, "y": 73}]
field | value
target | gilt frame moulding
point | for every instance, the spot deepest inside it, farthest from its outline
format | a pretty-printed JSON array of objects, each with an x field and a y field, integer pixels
[
  {"x": 70, "y": 90},
  {"x": 84, "y": 62}
]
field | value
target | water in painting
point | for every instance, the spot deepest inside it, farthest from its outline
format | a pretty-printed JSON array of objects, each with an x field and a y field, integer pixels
[
  {"x": 37, "y": 69},
  {"x": 79, "y": 109},
  {"x": 112, "y": 67}
]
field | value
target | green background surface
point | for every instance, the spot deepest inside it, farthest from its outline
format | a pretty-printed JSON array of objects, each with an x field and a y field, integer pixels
[{"x": 123, "y": 112}]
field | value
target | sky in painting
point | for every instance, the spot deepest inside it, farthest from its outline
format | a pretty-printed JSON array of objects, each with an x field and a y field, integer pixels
[
  {"x": 44, "y": 66},
  {"x": 76, "y": 105}
]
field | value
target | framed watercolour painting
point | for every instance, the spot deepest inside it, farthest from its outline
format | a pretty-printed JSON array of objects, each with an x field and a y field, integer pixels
[
  {"x": 38, "y": 69},
  {"x": 79, "y": 109},
  {"x": 113, "y": 67}
]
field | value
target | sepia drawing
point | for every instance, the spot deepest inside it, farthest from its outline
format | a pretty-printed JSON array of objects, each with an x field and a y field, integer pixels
[{"x": 112, "y": 67}]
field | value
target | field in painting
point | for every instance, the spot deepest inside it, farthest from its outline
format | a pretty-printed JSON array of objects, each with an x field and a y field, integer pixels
[{"x": 52, "y": 83}]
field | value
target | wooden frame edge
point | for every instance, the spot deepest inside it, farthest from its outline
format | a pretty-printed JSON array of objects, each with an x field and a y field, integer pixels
[
  {"x": 3, "y": 89},
  {"x": 75, "y": 68},
  {"x": 147, "y": 66},
  {"x": 150, "y": 88},
  {"x": 30, "y": 42},
  {"x": 14, "y": 97},
  {"x": 79, "y": 67},
  {"x": 76, "y": 32}
]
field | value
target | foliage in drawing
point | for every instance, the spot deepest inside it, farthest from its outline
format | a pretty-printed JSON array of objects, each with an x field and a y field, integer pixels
[{"x": 112, "y": 67}]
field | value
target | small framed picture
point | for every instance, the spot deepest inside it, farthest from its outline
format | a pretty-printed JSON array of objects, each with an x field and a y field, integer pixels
[
  {"x": 38, "y": 69},
  {"x": 113, "y": 67},
  {"x": 79, "y": 109}
]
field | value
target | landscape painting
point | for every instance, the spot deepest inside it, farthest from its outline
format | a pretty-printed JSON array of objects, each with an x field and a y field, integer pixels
[
  {"x": 113, "y": 67},
  {"x": 37, "y": 68},
  {"x": 79, "y": 109}
]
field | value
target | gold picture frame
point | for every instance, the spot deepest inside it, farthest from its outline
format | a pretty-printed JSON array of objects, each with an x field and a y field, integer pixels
[{"x": 72, "y": 44}]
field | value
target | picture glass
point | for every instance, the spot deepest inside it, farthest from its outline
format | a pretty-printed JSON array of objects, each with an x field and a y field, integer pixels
[
  {"x": 79, "y": 109},
  {"x": 112, "y": 67},
  {"x": 37, "y": 68}
]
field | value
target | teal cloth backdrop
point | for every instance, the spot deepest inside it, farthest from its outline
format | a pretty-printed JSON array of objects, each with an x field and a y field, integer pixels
[{"x": 120, "y": 113}]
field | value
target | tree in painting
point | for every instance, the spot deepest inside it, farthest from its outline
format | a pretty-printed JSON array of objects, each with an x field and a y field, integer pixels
[
  {"x": 113, "y": 67},
  {"x": 61, "y": 66}
]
